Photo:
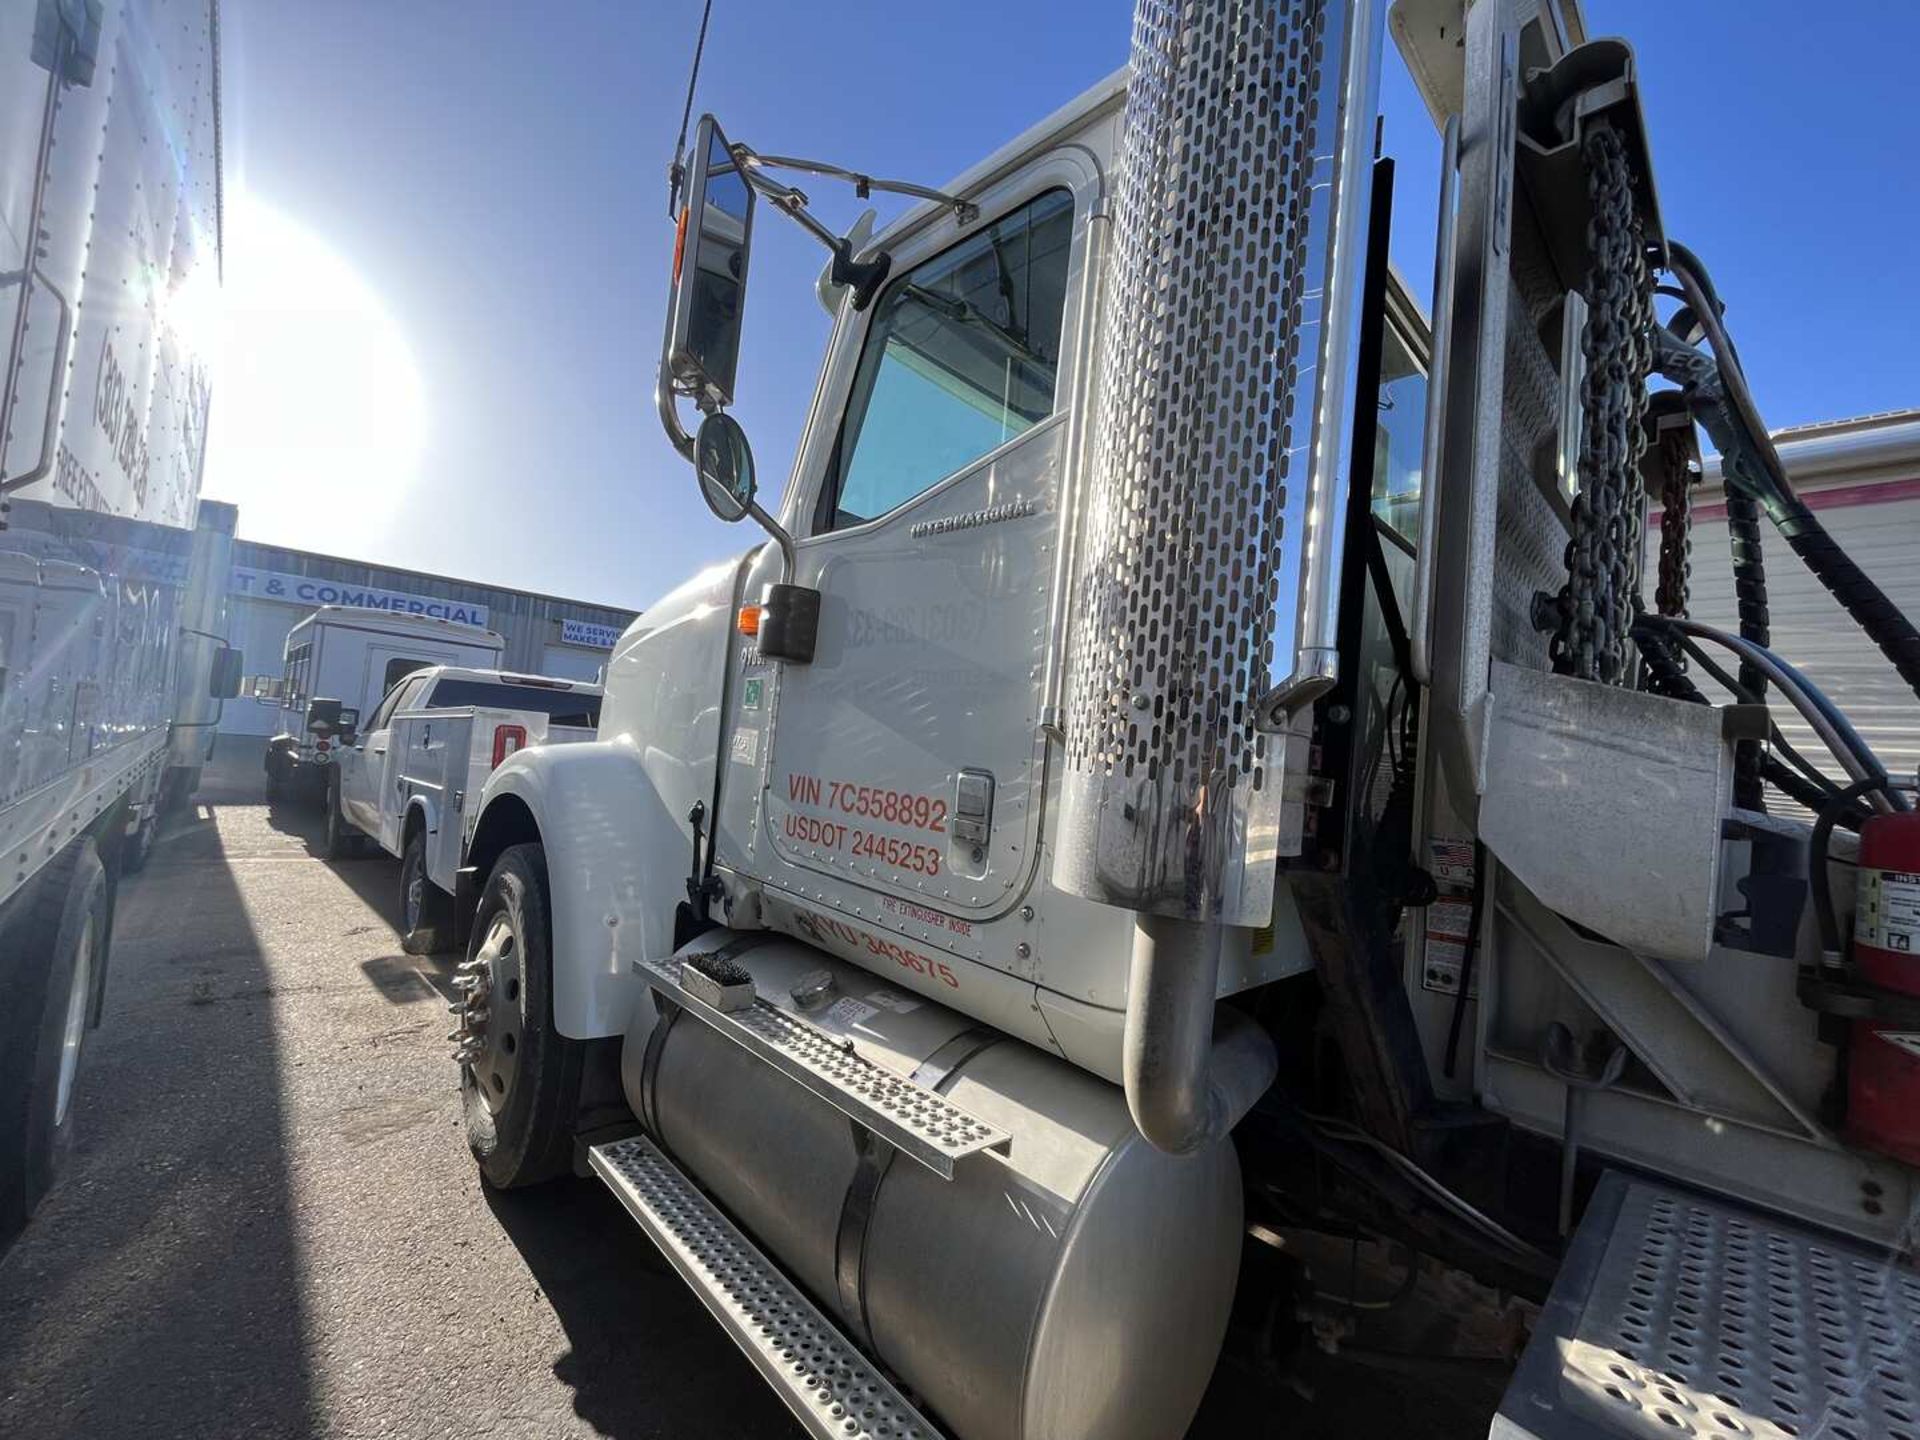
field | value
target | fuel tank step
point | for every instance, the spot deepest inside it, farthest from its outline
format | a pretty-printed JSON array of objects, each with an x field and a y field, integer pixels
[
  {"x": 1676, "y": 1315},
  {"x": 832, "y": 1389},
  {"x": 920, "y": 1123}
]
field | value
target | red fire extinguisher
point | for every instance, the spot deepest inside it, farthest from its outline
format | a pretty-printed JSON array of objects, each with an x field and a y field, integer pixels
[{"x": 1883, "y": 1072}]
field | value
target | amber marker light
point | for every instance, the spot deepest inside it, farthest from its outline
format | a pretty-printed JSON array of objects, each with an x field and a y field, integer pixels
[{"x": 749, "y": 620}]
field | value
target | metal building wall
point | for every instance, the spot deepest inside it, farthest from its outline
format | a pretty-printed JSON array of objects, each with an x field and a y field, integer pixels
[{"x": 530, "y": 622}]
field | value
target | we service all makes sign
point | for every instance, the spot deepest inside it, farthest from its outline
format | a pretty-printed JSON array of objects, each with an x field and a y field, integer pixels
[
  {"x": 252, "y": 584},
  {"x": 584, "y": 632}
]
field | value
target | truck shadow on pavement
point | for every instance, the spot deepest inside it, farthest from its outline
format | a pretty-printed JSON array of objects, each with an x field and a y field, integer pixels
[
  {"x": 646, "y": 1358},
  {"x": 158, "y": 1290}
]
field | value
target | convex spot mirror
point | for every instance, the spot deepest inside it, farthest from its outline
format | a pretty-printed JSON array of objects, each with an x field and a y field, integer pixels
[
  {"x": 724, "y": 462},
  {"x": 710, "y": 271}
]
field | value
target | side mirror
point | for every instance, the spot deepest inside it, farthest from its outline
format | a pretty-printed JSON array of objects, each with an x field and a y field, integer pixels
[
  {"x": 323, "y": 717},
  {"x": 223, "y": 680},
  {"x": 348, "y": 726},
  {"x": 724, "y": 461},
  {"x": 710, "y": 271}
]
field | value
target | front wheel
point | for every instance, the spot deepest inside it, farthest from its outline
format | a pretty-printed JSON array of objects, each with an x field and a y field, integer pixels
[
  {"x": 341, "y": 840},
  {"x": 520, "y": 1079},
  {"x": 426, "y": 911}
]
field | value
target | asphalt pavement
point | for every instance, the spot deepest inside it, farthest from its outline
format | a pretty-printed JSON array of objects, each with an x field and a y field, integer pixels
[{"x": 270, "y": 1225}]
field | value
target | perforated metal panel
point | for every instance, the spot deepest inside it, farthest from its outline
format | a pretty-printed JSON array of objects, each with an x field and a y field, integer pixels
[
  {"x": 1208, "y": 536},
  {"x": 833, "y": 1390},
  {"x": 1703, "y": 1320}
]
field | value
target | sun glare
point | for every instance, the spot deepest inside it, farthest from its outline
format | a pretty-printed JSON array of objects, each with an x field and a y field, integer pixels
[{"x": 319, "y": 418}]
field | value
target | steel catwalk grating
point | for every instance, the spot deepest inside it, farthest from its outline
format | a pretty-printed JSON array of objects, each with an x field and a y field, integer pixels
[
  {"x": 1697, "y": 1319},
  {"x": 920, "y": 1123},
  {"x": 835, "y": 1392}
]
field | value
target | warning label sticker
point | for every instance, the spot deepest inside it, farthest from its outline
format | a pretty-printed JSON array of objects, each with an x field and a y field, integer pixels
[
  {"x": 1449, "y": 917},
  {"x": 1440, "y": 968},
  {"x": 849, "y": 1012},
  {"x": 1451, "y": 862},
  {"x": 1888, "y": 915}
]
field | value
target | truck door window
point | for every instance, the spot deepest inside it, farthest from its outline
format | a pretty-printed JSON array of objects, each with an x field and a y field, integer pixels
[
  {"x": 1397, "y": 461},
  {"x": 384, "y": 714},
  {"x": 960, "y": 358},
  {"x": 398, "y": 670}
]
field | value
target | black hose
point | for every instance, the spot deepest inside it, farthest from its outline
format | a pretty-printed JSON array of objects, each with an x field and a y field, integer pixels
[
  {"x": 1865, "y": 601},
  {"x": 1817, "y": 858},
  {"x": 1805, "y": 784},
  {"x": 1750, "y": 590},
  {"x": 1474, "y": 907}
]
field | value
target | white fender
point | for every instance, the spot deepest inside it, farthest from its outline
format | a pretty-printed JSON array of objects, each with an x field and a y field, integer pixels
[
  {"x": 613, "y": 813},
  {"x": 617, "y": 862}
]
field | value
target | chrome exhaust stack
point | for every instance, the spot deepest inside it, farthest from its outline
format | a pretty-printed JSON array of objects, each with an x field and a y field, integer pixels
[
  {"x": 1206, "y": 575},
  {"x": 1192, "y": 1069}
]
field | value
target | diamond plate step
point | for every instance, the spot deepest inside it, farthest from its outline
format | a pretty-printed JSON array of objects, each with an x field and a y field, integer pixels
[
  {"x": 831, "y": 1387},
  {"x": 916, "y": 1121},
  {"x": 1676, "y": 1316}
]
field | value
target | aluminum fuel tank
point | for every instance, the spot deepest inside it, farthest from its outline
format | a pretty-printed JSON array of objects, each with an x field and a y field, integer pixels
[{"x": 1077, "y": 1286}]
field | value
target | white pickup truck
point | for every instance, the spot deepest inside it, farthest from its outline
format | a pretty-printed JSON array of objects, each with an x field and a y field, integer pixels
[{"x": 405, "y": 780}]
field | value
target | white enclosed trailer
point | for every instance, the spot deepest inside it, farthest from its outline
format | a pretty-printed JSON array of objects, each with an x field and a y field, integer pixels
[
  {"x": 340, "y": 661},
  {"x": 113, "y": 572},
  {"x": 1192, "y": 778}
]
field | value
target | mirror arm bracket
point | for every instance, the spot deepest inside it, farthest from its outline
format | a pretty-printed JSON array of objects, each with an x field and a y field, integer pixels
[
  {"x": 965, "y": 211},
  {"x": 780, "y": 537},
  {"x": 663, "y": 394}
]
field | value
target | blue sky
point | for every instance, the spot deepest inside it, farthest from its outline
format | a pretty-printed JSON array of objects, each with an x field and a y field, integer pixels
[{"x": 485, "y": 185}]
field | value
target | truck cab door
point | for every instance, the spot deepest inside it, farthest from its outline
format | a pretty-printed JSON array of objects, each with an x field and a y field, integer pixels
[
  {"x": 908, "y": 758},
  {"x": 365, "y": 789}
]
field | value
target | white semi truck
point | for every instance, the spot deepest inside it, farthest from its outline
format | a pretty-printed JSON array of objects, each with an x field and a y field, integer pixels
[
  {"x": 339, "y": 662},
  {"x": 1199, "y": 767},
  {"x": 113, "y": 572}
]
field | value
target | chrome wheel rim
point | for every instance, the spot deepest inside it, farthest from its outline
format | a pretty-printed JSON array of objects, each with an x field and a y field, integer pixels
[
  {"x": 492, "y": 1011},
  {"x": 74, "y": 1030},
  {"x": 414, "y": 884}
]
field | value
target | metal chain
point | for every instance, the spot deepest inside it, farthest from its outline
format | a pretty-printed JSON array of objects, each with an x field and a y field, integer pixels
[
  {"x": 1593, "y": 613},
  {"x": 1671, "y": 592}
]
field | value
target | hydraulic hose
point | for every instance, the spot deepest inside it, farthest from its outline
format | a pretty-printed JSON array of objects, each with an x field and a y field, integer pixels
[
  {"x": 1750, "y": 593},
  {"x": 1667, "y": 678},
  {"x": 1865, "y": 601},
  {"x": 1750, "y": 461}
]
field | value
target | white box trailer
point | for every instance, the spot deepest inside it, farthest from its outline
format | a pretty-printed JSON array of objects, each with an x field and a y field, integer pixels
[
  {"x": 113, "y": 572},
  {"x": 339, "y": 663}
]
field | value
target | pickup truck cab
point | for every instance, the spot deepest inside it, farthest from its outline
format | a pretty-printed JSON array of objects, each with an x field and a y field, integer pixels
[{"x": 406, "y": 780}]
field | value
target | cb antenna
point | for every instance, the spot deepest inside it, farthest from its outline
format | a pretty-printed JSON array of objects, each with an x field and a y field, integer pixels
[{"x": 677, "y": 171}]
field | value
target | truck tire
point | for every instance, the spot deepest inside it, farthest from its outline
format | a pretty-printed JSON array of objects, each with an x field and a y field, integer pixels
[
  {"x": 426, "y": 911},
  {"x": 521, "y": 1087},
  {"x": 52, "y": 958},
  {"x": 341, "y": 840}
]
